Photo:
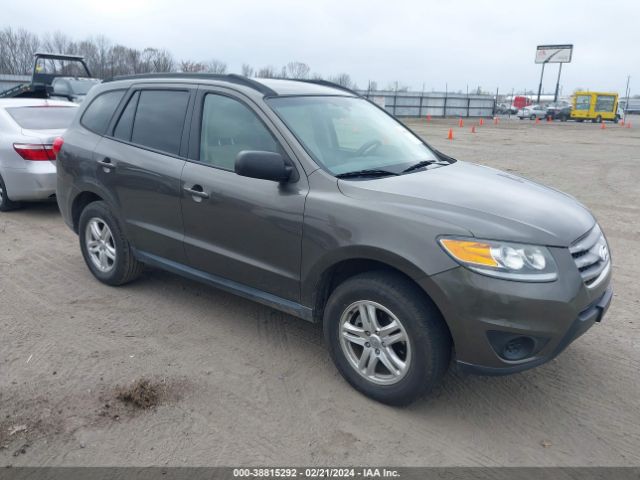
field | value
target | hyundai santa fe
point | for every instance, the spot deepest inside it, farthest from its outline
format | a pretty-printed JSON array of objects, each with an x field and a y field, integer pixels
[{"x": 310, "y": 199}]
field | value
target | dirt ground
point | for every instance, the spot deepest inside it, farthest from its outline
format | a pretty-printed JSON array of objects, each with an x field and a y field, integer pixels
[{"x": 236, "y": 383}]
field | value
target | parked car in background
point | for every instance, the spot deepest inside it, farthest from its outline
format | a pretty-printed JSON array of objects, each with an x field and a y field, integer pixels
[
  {"x": 28, "y": 128},
  {"x": 559, "y": 111},
  {"x": 73, "y": 89},
  {"x": 308, "y": 198},
  {"x": 532, "y": 112}
]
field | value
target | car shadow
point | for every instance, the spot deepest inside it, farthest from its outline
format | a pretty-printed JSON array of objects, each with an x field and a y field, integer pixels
[{"x": 574, "y": 374}]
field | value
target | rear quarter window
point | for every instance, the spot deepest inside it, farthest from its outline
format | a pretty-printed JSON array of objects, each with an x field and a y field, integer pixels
[
  {"x": 42, "y": 118},
  {"x": 98, "y": 114}
]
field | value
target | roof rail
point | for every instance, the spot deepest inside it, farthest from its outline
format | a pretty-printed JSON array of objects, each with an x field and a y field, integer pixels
[
  {"x": 231, "y": 77},
  {"x": 327, "y": 83}
]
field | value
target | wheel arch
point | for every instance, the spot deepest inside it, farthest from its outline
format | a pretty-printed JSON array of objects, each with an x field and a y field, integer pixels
[{"x": 351, "y": 261}]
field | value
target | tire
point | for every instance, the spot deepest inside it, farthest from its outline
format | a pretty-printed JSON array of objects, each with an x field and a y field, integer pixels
[
  {"x": 426, "y": 353},
  {"x": 121, "y": 269},
  {"x": 598, "y": 119},
  {"x": 532, "y": 117},
  {"x": 5, "y": 203}
]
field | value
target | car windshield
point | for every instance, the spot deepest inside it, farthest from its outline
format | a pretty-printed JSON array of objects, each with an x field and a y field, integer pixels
[
  {"x": 348, "y": 134},
  {"x": 42, "y": 118}
]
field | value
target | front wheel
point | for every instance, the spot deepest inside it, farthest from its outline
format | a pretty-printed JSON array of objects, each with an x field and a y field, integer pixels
[
  {"x": 386, "y": 338},
  {"x": 105, "y": 249}
]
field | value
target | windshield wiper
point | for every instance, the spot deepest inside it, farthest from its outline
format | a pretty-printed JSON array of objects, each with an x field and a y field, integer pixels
[
  {"x": 423, "y": 163},
  {"x": 366, "y": 173}
]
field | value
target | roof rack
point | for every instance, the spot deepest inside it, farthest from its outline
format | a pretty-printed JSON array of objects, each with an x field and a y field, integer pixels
[
  {"x": 327, "y": 83},
  {"x": 231, "y": 77}
]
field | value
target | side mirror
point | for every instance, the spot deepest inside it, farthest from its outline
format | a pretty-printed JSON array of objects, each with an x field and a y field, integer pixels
[{"x": 263, "y": 165}]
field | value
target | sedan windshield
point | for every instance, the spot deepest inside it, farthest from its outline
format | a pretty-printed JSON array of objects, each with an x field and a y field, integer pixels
[{"x": 349, "y": 135}]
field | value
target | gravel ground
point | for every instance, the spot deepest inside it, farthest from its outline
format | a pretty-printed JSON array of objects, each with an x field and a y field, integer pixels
[{"x": 235, "y": 383}]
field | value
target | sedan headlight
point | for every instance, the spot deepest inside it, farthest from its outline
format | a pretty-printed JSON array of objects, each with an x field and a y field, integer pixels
[{"x": 510, "y": 261}]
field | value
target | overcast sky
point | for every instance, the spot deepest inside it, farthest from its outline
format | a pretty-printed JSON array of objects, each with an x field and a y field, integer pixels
[{"x": 456, "y": 42}]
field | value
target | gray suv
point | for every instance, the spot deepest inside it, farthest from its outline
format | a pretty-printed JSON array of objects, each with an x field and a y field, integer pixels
[{"x": 309, "y": 199}]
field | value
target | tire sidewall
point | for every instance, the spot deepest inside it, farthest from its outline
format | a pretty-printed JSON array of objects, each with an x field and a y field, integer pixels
[
  {"x": 413, "y": 315},
  {"x": 6, "y": 204},
  {"x": 101, "y": 211}
]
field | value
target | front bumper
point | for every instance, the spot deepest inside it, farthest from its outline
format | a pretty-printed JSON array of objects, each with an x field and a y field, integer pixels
[
  {"x": 37, "y": 181},
  {"x": 585, "y": 320},
  {"x": 483, "y": 313}
]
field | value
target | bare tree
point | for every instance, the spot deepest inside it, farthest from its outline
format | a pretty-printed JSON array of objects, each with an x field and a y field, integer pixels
[
  {"x": 216, "y": 66},
  {"x": 188, "y": 66},
  {"x": 17, "y": 48},
  {"x": 342, "y": 79},
  {"x": 298, "y": 70},
  {"x": 163, "y": 61},
  {"x": 247, "y": 70},
  {"x": 266, "y": 72}
]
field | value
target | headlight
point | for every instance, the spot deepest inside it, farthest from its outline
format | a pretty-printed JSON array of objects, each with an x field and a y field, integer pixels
[{"x": 511, "y": 261}]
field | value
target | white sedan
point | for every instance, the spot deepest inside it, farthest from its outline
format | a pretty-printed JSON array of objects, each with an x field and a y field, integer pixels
[
  {"x": 532, "y": 112},
  {"x": 28, "y": 128}
]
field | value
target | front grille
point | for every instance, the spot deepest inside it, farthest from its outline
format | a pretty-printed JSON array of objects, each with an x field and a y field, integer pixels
[{"x": 591, "y": 254}]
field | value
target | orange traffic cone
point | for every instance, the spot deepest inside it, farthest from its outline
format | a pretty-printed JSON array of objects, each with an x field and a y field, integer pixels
[
  {"x": 473, "y": 129},
  {"x": 629, "y": 124},
  {"x": 602, "y": 126},
  {"x": 549, "y": 119},
  {"x": 481, "y": 121},
  {"x": 460, "y": 123},
  {"x": 622, "y": 123},
  {"x": 495, "y": 120},
  {"x": 537, "y": 121},
  {"x": 429, "y": 118},
  {"x": 450, "y": 136}
]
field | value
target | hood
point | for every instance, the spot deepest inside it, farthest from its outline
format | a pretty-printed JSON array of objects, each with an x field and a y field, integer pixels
[{"x": 486, "y": 202}]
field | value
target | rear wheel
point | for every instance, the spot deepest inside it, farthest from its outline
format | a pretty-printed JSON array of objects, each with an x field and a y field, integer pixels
[
  {"x": 5, "y": 203},
  {"x": 532, "y": 117},
  {"x": 105, "y": 249},
  {"x": 598, "y": 119},
  {"x": 386, "y": 339}
]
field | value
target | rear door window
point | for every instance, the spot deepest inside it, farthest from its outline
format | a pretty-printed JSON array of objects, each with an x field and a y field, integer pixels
[
  {"x": 159, "y": 119},
  {"x": 97, "y": 115},
  {"x": 42, "y": 118}
]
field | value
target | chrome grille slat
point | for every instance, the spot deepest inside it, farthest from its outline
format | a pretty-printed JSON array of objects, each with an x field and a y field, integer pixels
[
  {"x": 586, "y": 253},
  {"x": 586, "y": 260}
]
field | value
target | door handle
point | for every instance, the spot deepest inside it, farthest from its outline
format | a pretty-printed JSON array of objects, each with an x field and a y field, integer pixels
[
  {"x": 106, "y": 164},
  {"x": 196, "y": 191}
]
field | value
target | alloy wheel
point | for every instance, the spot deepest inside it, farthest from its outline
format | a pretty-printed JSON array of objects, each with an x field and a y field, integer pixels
[
  {"x": 100, "y": 245},
  {"x": 375, "y": 342}
]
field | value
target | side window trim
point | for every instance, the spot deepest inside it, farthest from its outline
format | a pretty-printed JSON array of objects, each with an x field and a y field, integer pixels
[
  {"x": 193, "y": 154},
  {"x": 184, "y": 140},
  {"x": 120, "y": 111}
]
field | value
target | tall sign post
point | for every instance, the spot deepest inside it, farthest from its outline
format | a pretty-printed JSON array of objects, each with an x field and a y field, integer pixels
[{"x": 553, "y": 54}]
